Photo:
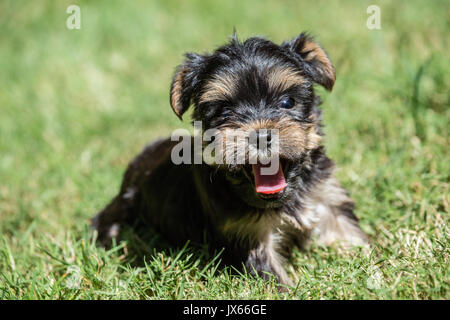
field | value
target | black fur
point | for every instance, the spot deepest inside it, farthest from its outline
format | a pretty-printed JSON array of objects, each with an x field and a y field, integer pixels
[{"x": 198, "y": 202}]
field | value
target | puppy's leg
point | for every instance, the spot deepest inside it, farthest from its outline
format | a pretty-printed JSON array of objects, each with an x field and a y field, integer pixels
[
  {"x": 124, "y": 207},
  {"x": 108, "y": 221},
  {"x": 265, "y": 260},
  {"x": 257, "y": 238},
  {"x": 334, "y": 215}
]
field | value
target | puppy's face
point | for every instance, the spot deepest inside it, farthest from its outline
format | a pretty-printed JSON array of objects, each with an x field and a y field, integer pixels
[{"x": 263, "y": 90}]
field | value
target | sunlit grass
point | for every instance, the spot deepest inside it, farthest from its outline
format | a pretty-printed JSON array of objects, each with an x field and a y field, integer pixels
[{"x": 77, "y": 105}]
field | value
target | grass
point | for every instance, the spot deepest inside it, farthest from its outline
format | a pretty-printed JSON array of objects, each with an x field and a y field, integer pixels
[{"x": 77, "y": 105}]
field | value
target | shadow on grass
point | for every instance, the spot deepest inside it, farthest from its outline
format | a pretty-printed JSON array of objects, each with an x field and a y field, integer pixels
[{"x": 140, "y": 246}]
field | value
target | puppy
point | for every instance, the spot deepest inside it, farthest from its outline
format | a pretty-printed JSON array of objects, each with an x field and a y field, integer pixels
[{"x": 249, "y": 87}]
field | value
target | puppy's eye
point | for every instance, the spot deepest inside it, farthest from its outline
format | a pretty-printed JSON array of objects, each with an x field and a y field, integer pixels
[{"x": 287, "y": 103}]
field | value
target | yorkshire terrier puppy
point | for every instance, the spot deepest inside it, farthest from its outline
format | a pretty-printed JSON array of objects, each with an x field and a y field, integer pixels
[{"x": 255, "y": 86}]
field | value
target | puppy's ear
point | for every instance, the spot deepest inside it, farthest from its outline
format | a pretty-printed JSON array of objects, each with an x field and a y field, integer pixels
[
  {"x": 316, "y": 63},
  {"x": 184, "y": 83}
]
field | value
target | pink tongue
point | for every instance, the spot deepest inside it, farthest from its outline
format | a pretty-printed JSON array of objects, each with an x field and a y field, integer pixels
[{"x": 268, "y": 184}]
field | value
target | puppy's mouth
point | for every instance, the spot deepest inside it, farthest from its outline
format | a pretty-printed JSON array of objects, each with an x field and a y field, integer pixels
[{"x": 268, "y": 184}]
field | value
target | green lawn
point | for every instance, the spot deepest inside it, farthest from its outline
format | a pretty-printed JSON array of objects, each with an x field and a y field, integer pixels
[{"x": 77, "y": 105}]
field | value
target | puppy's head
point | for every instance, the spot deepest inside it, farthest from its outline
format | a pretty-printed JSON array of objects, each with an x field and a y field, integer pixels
[{"x": 258, "y": 89}]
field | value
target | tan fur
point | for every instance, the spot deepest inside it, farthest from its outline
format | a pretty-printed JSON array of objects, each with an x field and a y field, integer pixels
[
  {"x": 292, "y": 134},
  {"x": 224, "y": 86},
  {"x": 280, "y": 79},
  {"x": 219, "y": 88},
  {"x": 175, "y": 93},
  {"x": 317, "y": 53},
  {"x": 294, "y": 137}
]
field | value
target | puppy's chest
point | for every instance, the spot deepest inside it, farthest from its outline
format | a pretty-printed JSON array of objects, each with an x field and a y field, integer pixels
[
  {"x": 252, "y": 227},
  {"x": 258, "y": 227}
]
